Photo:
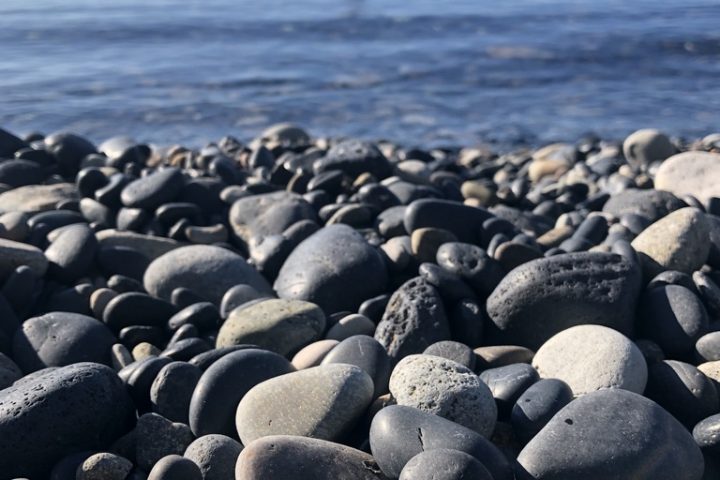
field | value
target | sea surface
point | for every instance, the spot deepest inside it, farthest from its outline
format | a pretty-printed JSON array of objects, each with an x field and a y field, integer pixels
[{"x": 425, "y": 72}]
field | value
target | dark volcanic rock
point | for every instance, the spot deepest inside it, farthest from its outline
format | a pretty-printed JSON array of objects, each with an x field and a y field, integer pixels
[
  {"x": 414, "y": 319},
  {"x": 542, "y": 297},
  {"x": 79, "y": 407}
]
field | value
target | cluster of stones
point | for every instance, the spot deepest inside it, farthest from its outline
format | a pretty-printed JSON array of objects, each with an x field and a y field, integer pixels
[{"x": 324, "y": 309}]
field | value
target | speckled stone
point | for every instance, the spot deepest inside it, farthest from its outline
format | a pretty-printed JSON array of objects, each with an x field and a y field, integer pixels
[
  {"x": 326, "y": 402},
  {"x": 55, "y": 412},
  {"x": 543, "y": 297},
  {"x": 216, "y": 455},
  {"x": 104, "y": 466},
  {"x": 445, "y": 388},
  {"x": 592, "y": 357},
  {"x": 413, "y": 319},
  {"x": 281, "y": 326},
  {"x": 156, "y": 437}
]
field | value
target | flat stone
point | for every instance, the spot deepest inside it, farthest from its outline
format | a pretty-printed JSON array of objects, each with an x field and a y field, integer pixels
[
  {"x": 545, "y": 296},
  {"x": 37, "y": 198},
  {"x": 135, "y": 308},
  {"x": 278, "y": 325},
  {"x": 592, "y": 357},
  {"x": 18, "y": 173},
  {"x": 678, "y": 241},
  {"x": 690, "y": 173},
  {"x": 334, "y": 268},
  {"x": 57, "y": 339},
  {"x": 216, "y": 455},
  {"x": 455, "y": 351},
  {"x": 445, "y": 388},
  {"x": 461, "y": 220},
  {"x": 612, "y": 434},
  {"x": 225, "y": 382},
  {"x": 14, "y": 254},
  {"x": 501, "y": 355},
  {"x": 650, "y": 204},
  {"x": 285, "y": 457},
  {"x": 413, "y": 320},
  {"x": 153, "y": 190},
  {"x": 399, "y": 433},
  {"x": 326, "y": 402},
  {"x": 350, "y": 325},
  {"x": 83, "y": 406},
  {"x": 207, "y": 270},
  {"x": 148, "y": 245},
  {"x": 444, "y": 464},
  {"x": 354, "y": 157}
]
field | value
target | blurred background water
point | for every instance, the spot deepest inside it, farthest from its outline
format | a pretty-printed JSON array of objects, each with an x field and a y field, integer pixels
[{"x": 422, "y": 72}]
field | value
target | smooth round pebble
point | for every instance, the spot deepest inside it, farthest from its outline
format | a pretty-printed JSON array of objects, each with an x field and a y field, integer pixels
[
  {"x": 175, "y": 467},
  {"x": 537, "y": 405},
  {"x": 592, "y": 357},
  {"x": 444, "y": 464}
]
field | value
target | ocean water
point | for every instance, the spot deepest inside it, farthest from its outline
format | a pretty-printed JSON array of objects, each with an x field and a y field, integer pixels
[{"x": 425, "y": 72}]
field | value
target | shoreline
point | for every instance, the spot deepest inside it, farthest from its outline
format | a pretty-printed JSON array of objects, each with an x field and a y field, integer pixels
[{"x": 355, "y": 309}]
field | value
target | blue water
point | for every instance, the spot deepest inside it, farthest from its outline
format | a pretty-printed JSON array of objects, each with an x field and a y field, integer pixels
[{"x": 420, "y": 72}]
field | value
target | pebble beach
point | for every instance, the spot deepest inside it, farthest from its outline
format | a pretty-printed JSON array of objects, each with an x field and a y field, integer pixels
[{"x": 294, "y": 306}]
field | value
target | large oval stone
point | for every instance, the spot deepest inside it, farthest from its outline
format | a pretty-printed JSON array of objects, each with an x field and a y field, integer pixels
[
  {"x": 153, "y": 190},
  {"x": 281, "y": 326},
  {"x": 207, "y": 270},
  {"x": 14, "y": 254},
  {"x": 463, "y": 221},
  {"x": 285, "y": 457},
  {"x": 334, "y": 268},
  {"x": 592, "y": 357},
  {"x": 679, "y": 241},
  {"x": 545, "y": 296},
  {"x": 690, "y": 173},
  {"x": 612, "y": 434},
  {"x": 79, "y": 407},
  {"x": 61, "y": 338},
  {"x": 652, "y": 204},
  {"x": 320, "y": 402}
]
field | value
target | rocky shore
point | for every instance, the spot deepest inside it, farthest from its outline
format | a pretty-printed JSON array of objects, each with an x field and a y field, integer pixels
[{"x": 328, "y": 309}]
